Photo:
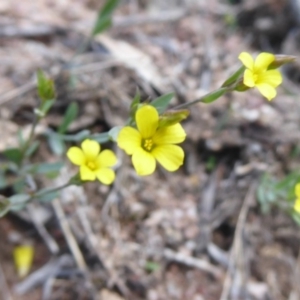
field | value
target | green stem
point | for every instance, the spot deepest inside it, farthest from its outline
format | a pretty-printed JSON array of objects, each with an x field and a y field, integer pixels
[
  {"x": 29, "y": 140},
  {"x": 210, "y": 97},
  {"x": 45, "y": 192}
]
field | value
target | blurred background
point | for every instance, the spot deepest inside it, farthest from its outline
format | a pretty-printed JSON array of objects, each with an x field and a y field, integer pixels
[{"x": 169, "y": 235}]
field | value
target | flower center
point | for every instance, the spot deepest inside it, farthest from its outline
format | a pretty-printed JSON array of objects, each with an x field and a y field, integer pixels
[
  {"x": 255, "y": 77},
  {"x": 91, "y": 165},
  {"x": 147, "y": 144}
]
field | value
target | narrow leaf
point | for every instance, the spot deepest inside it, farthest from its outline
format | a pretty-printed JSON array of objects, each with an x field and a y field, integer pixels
[
  {"x": 100, "y": 137},
  {"x": 234, "y": 77},
  {"x": 56, "y": 144},
  {"x": 14, "y": 155},
  {"x": 69, "y": 117},
  {"x": 32, "y": 148},
  {"x": 4, "y": 206},
  {"x": 45, "y": 168},
  {"x": 48, "y": 196},
  {"x": 114, "y": 132},
  {"x": 213, "y": 96},
  {"x": 104, "y": 16},
  {"x": 18, "y": 202},
  {"x": 161, "y": 103},
  {"x": 46, "y": 107}
]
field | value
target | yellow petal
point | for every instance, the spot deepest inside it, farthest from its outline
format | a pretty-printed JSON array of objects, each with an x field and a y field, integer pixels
[
  {"x": 143, "y": 162},
  {"x": 169, "y": 135},
  {"x": 297, "y": 190},
  {"x": 106, "y": 175},
  {"x": 169, "y": 156},
  {"x": 266, "y": 90},
  {"x": 23, "y": 256},
  {"x": 147, "y": 121},
  {"x": 90, "y": 149},
  {"x": 86, "y": 173},
  {"x": 271, "y": 77},
  {"x": 106, "y": 159},
  {"x": 76, "y": 156},
  {"x": 129, "y": 139},
  {"x": 249, "y": 78},
  {"x": 247, "y": 60},
  {"x": 262, "y": 61},
  {"x": 297, "y": 205}
]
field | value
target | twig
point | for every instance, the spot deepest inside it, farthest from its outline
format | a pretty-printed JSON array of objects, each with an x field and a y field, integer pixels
[
  {"x": 94, "y": 243},
  {"x": 5, "y": 292},
  {"x": 237, "y": 247},
  {"x": 295, "y": 293},
  {"x": 205, "y": 208},
  {"x": 28, "y": 31},
  {"x": 48, "y": 239},
  {"x": 27, "y": 87},
  {"x": 192, "y": 262},
  {"x": 72, "y": 243},
  {"x": 142, "y": 19},
  {"x": 41, "y": 275}
]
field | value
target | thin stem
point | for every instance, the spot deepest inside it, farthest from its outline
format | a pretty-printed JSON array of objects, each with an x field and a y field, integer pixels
[
  {"x": 217, "y": 93},
  {"x": 31, "y": 134},
  {"x": 45, "y": 192}
]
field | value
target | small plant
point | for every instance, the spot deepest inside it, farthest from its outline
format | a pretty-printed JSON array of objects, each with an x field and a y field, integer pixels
[{"x": 150, "y": 135}]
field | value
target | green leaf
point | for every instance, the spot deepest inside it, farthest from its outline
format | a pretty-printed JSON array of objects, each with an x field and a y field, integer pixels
[
  {"x": 4, "y": 206},
  {"x": 104, "y": 16},
  {"x": 69, "y": 117},
  {"x": 56, "y": 144},
  {"x": 100, "y": 137},
  {"x": 32, "y": 148},
  {"x": 14, "y": 155},
  {"x": 161, "y": 103},
  {"x": 45, "y": 87},
  {"x": 213, "y": 96},
  {"x": 266, "y": 195},
  {"x": 19, "y": 185},
  {"x": 114, "y": 132},
  {"x": 78, "y": 137},
  {"x": 48, "y": 197},
  {"x": 172, "y": 117},
  {"x": 234, "y": 77},
  {"x": 296, "y": 217},
  {"x": 45, "y": 168},
  {"x": 151, "y": 266},
  {"x": 3, "y": 181},
  {"x": 136, "y": 100},
  {"x": 19, "y": 201},
  {"x": 20, "y": 138},
  {"x": 102, "y": 24},
  {"x": 45, "y": 108}
]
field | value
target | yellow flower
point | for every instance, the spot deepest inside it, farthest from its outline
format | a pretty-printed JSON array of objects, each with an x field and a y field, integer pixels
[
  {"x": 149, "y": 143},
  {"x": 297, "y": 201},
  {"x": 258, "y": 75},
  {"x": 23, "y": 256},
  {"x": 93, "y": 164}
]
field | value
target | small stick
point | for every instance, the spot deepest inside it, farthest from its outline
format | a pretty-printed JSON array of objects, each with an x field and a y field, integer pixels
[
  {"x": 5, "y": 292},
  {"x": 192, "y": 262},
  {"x": 48, "y": 239},
  {"x": 237, "y": 246},
  {"x": 20, "y": 91},
  {"x": 69, "y": 235}
]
